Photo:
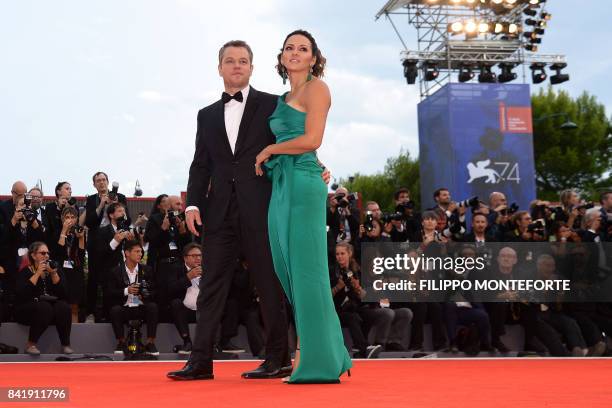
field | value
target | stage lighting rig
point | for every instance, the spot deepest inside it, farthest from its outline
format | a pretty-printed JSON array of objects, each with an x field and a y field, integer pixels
[{"x": 457, "y": 38}]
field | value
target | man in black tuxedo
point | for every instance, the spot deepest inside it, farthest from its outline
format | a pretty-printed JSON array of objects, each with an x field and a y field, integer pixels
[
  {"x": 95, "y": 218},
  {"x": 234, "y": 202}
]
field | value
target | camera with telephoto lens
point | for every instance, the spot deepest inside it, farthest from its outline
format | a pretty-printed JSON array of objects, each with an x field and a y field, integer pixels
[
  {"x": 52, "y": 264},
  {"x": 28, "y": 213},
  {"x": 175, "y": 217},
  {"x": 368, "y": 223},
  {"x": 123, "y": 224},
  {"x": 405, "y": 206},
  {"x": 536, "y": 227},
  {"x": 112, "y": 195},
  {"x": 345, "y": 200},
  {"x": 472, "y": 202},
  {"x": 76, "y": 229},
  {"x": 144, "y": 289},
  {"x": 585, "y": 206},
  {"x": 387, "y": 218},
  {"x": 557, "y": 213},
  {"x": 510, "y": 210}
]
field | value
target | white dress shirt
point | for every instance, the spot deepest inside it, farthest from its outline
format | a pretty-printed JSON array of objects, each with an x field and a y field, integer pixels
[
  {"x": 132, "y": 300},
  {"x": 232, "y": 114},
  {"x": 191, "y": 296}
]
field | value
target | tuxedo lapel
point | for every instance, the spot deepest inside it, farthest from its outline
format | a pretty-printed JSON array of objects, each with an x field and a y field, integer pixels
[
  {"x": 252, "y": 103},
  {"x": 220, "y": 124}
]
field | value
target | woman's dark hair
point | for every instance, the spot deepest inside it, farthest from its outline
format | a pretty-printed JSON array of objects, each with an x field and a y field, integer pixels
[
  {"x": 429, "y": 215},
  {"x": 70, "y": 210},
  {"x": 158, "y": 200},
  {"x": 34, "y": 246},
  {"x": 353, "y": 264},
  {"x": 59, "y": 186},
  {"x": 319, "y": 66}
]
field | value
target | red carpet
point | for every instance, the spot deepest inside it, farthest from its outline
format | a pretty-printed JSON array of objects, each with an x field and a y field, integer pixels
[{"x": 382, "y": 383}]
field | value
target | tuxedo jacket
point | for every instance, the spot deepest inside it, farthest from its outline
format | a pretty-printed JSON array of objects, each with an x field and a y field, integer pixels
[
  {"x": 107, "y": 257},
  {"x": 215, "y": 171},
  {"x": 118, "y": 280}
]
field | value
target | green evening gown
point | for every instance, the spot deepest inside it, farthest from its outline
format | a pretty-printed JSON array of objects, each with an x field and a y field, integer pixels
[{"x": 296, "y": 222}]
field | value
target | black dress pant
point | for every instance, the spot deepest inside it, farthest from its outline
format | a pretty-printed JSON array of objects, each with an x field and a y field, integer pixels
[
  {"x": 182, "y": 316},
  {"x": 39, "y": 315},
  {"x": 466, "y": 316},
  {"x": 422, "y": 312},
  {"x": 353, "y": 322},
  {"x": 148, "y": 312},
  {"x": 221, "y": 250}
]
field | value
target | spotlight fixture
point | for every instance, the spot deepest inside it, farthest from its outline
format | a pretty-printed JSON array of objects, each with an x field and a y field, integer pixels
[
  {"x": 530, "y": 12},
  {"x": 545, "y": 16},
  {"x": 456, "y": 27},
  {"x": 465, "y": 72},
  {"x": 506, "y": 72},
  {"x": 486, "y": 75},
  {"x": 558, "y": 78},
  {"x": 531, "y": 47},
  {"x": 410, "y": 70},
  {"x": 431, "y": 71},
  {"x": 538, "y": 74}
]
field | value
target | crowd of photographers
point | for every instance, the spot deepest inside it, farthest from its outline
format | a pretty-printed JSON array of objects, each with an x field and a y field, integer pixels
[{"x": 61, "y": 264}]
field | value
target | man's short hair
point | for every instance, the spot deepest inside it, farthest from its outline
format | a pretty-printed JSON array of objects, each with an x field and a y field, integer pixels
[
  {"x": 439, "y": 191},
  {"x": 400, "y": 191},
  {"x": 191, "y": 246},
  {"x": 369, "y": 203},
  {"x": 429, "y": 215},
  {"x": 604, "y": 196},
  {"x": 112, "y": 207},
  {"x": 129, "y": 245},
  {"x": 235, "y": 43},
  {"x": 59, "y": 186},
  {"x": 36, "y": 189},
  {"x": 97, "y": 174}
]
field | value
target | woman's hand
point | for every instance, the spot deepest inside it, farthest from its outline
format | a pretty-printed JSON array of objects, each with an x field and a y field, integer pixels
[{"x": 261, "y": 158}]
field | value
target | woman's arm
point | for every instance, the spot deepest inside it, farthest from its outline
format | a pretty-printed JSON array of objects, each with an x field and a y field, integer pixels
[{"x": 317, "y": 101}]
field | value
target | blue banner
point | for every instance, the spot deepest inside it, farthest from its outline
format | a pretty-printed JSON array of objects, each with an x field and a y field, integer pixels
[{"x": 476, "y": 139}]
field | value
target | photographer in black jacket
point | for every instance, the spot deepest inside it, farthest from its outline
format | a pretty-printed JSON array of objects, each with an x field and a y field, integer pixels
[
  {"x": 96, "y": 218},
  {"x": 41, "y": 299},
  {"x": 130, "y": 290},
  {"x": 167, "y": 235},
  {"x": 53, "y": 214}
]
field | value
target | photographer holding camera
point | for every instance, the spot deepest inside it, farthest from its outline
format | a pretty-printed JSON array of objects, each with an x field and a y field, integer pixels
[
  {"x": 525, "y": 230},
  {"x": 167, "y": 235},
  {"x": 130, "y": 293},
  {"x": 96, "y": 218},
  {"x": 455, "y": 226},
  {"x": 71, "y": 257},
  {"x": 347, "y": 294},
  {"x": 605, "y": 199},
  {"x": 63, "y": 199},
  {"x": 342, "y": 217},
  {"x": 111, "y": 240},
  {"x": 41, "y": 213},
  {"x": 41, "y": 294},
  {"x": 405, "y": 221}
]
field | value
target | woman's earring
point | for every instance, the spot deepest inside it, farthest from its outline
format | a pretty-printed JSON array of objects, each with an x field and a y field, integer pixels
[{"x": 309, "y": 77}]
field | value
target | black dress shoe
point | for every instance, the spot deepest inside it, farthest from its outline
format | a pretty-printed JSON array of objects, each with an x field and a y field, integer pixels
[
  {"x": 265, "y": 371},
  {"x": 193, "y": 371}
]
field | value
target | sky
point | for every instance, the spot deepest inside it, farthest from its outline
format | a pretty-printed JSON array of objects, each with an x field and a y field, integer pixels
[{"x": 116, "y": 85}]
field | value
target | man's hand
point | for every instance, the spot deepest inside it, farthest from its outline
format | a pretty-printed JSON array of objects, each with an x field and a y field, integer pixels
[
  {"x": 452, "y": 206},
  {"x": 194, "y": 273},
  {"x": 191, "y": 219},
  {"x": 133, "y": 289},
  {"x": 121, "y": 235},
  {"x": 388, "y": 228}
]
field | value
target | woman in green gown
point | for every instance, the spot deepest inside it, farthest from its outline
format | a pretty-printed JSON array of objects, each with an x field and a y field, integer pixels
[{"x": 296, "y": 216}]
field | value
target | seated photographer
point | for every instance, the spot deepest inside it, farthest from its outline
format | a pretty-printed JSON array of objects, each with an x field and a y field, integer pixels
[
  {"x": 41, "y": 299},
  {"x": 167, "y": 235},
  {"x": 343, "y": 218},
  {"x": 463, "y": 311},
  {"x": 71, "y": 258},
  {"x": 111, "y": 240},
  {"x": 53, "y": 212},
  {"x": 347, "y": 294},
  {"x": 183, "y": 290},
  {"x": 406, "y": 221},
  {"x": 129, "y": 290}
]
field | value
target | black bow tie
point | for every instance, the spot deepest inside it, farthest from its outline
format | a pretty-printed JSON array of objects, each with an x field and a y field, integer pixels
[{"x": 225, "y": 97}]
